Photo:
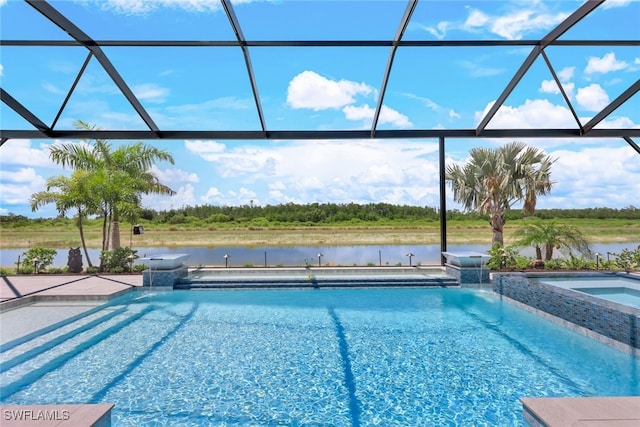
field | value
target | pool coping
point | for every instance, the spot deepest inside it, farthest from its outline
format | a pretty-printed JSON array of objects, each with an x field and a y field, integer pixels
[
  {"x": 620, "y": 411},
  {"x": 80, "y": 415},
  {"x": 19, "y": 291}
]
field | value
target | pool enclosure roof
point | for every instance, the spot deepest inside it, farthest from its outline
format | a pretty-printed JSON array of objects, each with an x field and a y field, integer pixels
[{"x": 244, "y": 48}]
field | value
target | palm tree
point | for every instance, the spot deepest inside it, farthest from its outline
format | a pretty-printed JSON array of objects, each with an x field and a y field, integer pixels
[
  {"x": 551, "y": 235},
  {"x": 122, "y": 173},
  {"x": 73, "y": 192},
  {"x": 493, "y": 180}
]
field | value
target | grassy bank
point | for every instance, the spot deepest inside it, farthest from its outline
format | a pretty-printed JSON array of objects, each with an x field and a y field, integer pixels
[{"x": 63, "y": 233}]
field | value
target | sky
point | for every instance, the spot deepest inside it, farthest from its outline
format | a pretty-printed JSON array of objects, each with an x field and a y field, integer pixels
[{"x": 322, "y": 88}]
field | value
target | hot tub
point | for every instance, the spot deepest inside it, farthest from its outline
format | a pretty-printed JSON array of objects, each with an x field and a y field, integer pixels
[
  {"x": 164, "y": 261},
  {"x": 466, "y": 258}
]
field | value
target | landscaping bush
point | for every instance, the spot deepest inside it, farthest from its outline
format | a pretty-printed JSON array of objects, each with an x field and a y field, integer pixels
[
  {"x": 117, "y": 260},
  {"x": 43, "y": 257},
  {"x": 628, "y": 260}
]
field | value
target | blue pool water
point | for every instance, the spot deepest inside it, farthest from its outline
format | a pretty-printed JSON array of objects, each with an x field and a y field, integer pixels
[
  {"x": 617, "y": 289},
  {"x": 626, "y": 296},
  {"x": 330, "y": 357}
]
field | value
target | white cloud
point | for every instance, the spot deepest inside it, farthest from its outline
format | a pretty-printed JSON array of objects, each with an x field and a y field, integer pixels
[
  {"x": 387, "y": 115},
  {"x": 143, "y": 7},
  {"x": 512, "y": 25},
  {"x": 313, "y": 91},
  {"x": 20, "y": 152},
  {"x": 171, "y": 176},
  {"x": 432, "y": 105},
  {"x": 229, "y": 198},
  {"x": 151, "y": 92},
  {"x": 550, "y": 86},
  {"x": 475, "y": 19},
  {"x": 53, "y": 89},
  {"x": 615, "y": 122},
  {"x": 185, "y": 196},
  {"x": 609, "y": 4},
  {"x": 383, "y": 174},
  {"x": 566, "y": 74},
  {"x": 592, "y": 97},
  {"x": 1, "y": 67},
  {"x": 515, "y": 25},
  {"x": 19, "y": 185},
  {"x": 537, "y": 113},
  {"x": 611, "y": 181},
  {"x": 337, "y": 171},
  {"x": 208, "y": 150},
  {"x": 606, "y": 64},
  {"x": 476, "y": 70}
]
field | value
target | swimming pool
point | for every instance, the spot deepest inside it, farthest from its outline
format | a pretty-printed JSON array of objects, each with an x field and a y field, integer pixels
[{"x": 342, "y": 357}]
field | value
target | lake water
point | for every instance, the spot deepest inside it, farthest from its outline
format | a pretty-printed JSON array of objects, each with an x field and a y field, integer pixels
[{"x": 301, "y": 255}]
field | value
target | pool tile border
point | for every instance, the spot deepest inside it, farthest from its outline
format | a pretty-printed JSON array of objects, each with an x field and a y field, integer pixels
[{"x": 608, "y": 322}]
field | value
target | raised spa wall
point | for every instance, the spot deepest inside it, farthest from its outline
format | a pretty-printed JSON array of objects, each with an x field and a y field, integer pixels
[{"x": 614, "y": 324}]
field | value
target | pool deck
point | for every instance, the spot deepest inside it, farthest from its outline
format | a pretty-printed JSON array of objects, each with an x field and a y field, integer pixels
[
  {"x": 19, "y": 290},
  {"x": 582, "y": 411}
]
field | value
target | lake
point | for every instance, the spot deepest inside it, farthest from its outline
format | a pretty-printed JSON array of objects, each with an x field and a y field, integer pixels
[{"x": 301, "y": 255}]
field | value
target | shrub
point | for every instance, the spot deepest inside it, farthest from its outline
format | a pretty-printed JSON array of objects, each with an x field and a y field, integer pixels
[
  {"x": 92, "y": 270},
  {"x": 504, "y": 257},
  {"x": 56, "y": 270},
  {"x": 43, "y": 257},
  {"x": 554, "y": 264},
  {"x": 117, "y": 260},
  {"x": 628, "y": 260},
  {"x": 140, "y": 268},
  {"x": 6, "y": 271}
]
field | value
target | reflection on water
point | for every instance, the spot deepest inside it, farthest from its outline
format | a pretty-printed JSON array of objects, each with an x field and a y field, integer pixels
[{"x": 301, "y": 255}]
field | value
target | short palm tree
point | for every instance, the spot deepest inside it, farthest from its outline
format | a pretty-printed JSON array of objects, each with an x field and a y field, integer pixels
[
  {"x": 70, "y": 193},
  {"x": 550, "y": 235},
  {"x": 493, "y": 180}
]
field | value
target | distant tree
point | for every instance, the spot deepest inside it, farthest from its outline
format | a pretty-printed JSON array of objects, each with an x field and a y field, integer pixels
[
  {"x": 550, "y": 235},
  {"x": 493, "y": 180}
]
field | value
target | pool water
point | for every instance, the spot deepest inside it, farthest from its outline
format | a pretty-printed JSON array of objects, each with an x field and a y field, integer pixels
[
  {"x": 329, "y": 357},
  {"x": 621, "y": 290},
  {"x": 622, "y": 295}
]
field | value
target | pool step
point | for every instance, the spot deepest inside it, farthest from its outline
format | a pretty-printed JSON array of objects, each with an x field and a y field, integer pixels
[
  {"x": 44, "y": 357},
  {"x": 39, "y": 344},
  {"x": 238, "y": 281}
]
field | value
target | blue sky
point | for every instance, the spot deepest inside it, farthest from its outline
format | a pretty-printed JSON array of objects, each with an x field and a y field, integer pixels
[{"x": 325, "y": 88}]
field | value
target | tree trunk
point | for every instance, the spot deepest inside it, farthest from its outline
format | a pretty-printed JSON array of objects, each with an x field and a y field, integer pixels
[
  {"x": 82, "y": 240},
  {"x": 115, "y": 234},
  {"x": 497, "y": 226},
  {"x": 538, "y": 252},
  {"x": 115, "y": 229},
  {"x": 548, "y": 252}
]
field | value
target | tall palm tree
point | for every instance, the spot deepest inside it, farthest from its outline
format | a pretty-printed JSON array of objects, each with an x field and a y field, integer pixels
[
  {"x": 123, "y": 173},
  {"x": 551, "y": 235},
  {"x": 493, "y": 180},
  {"x": 72, "y": 193}
]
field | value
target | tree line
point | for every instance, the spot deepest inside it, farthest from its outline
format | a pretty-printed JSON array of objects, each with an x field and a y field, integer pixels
[{"x": 335, "y": 213}]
